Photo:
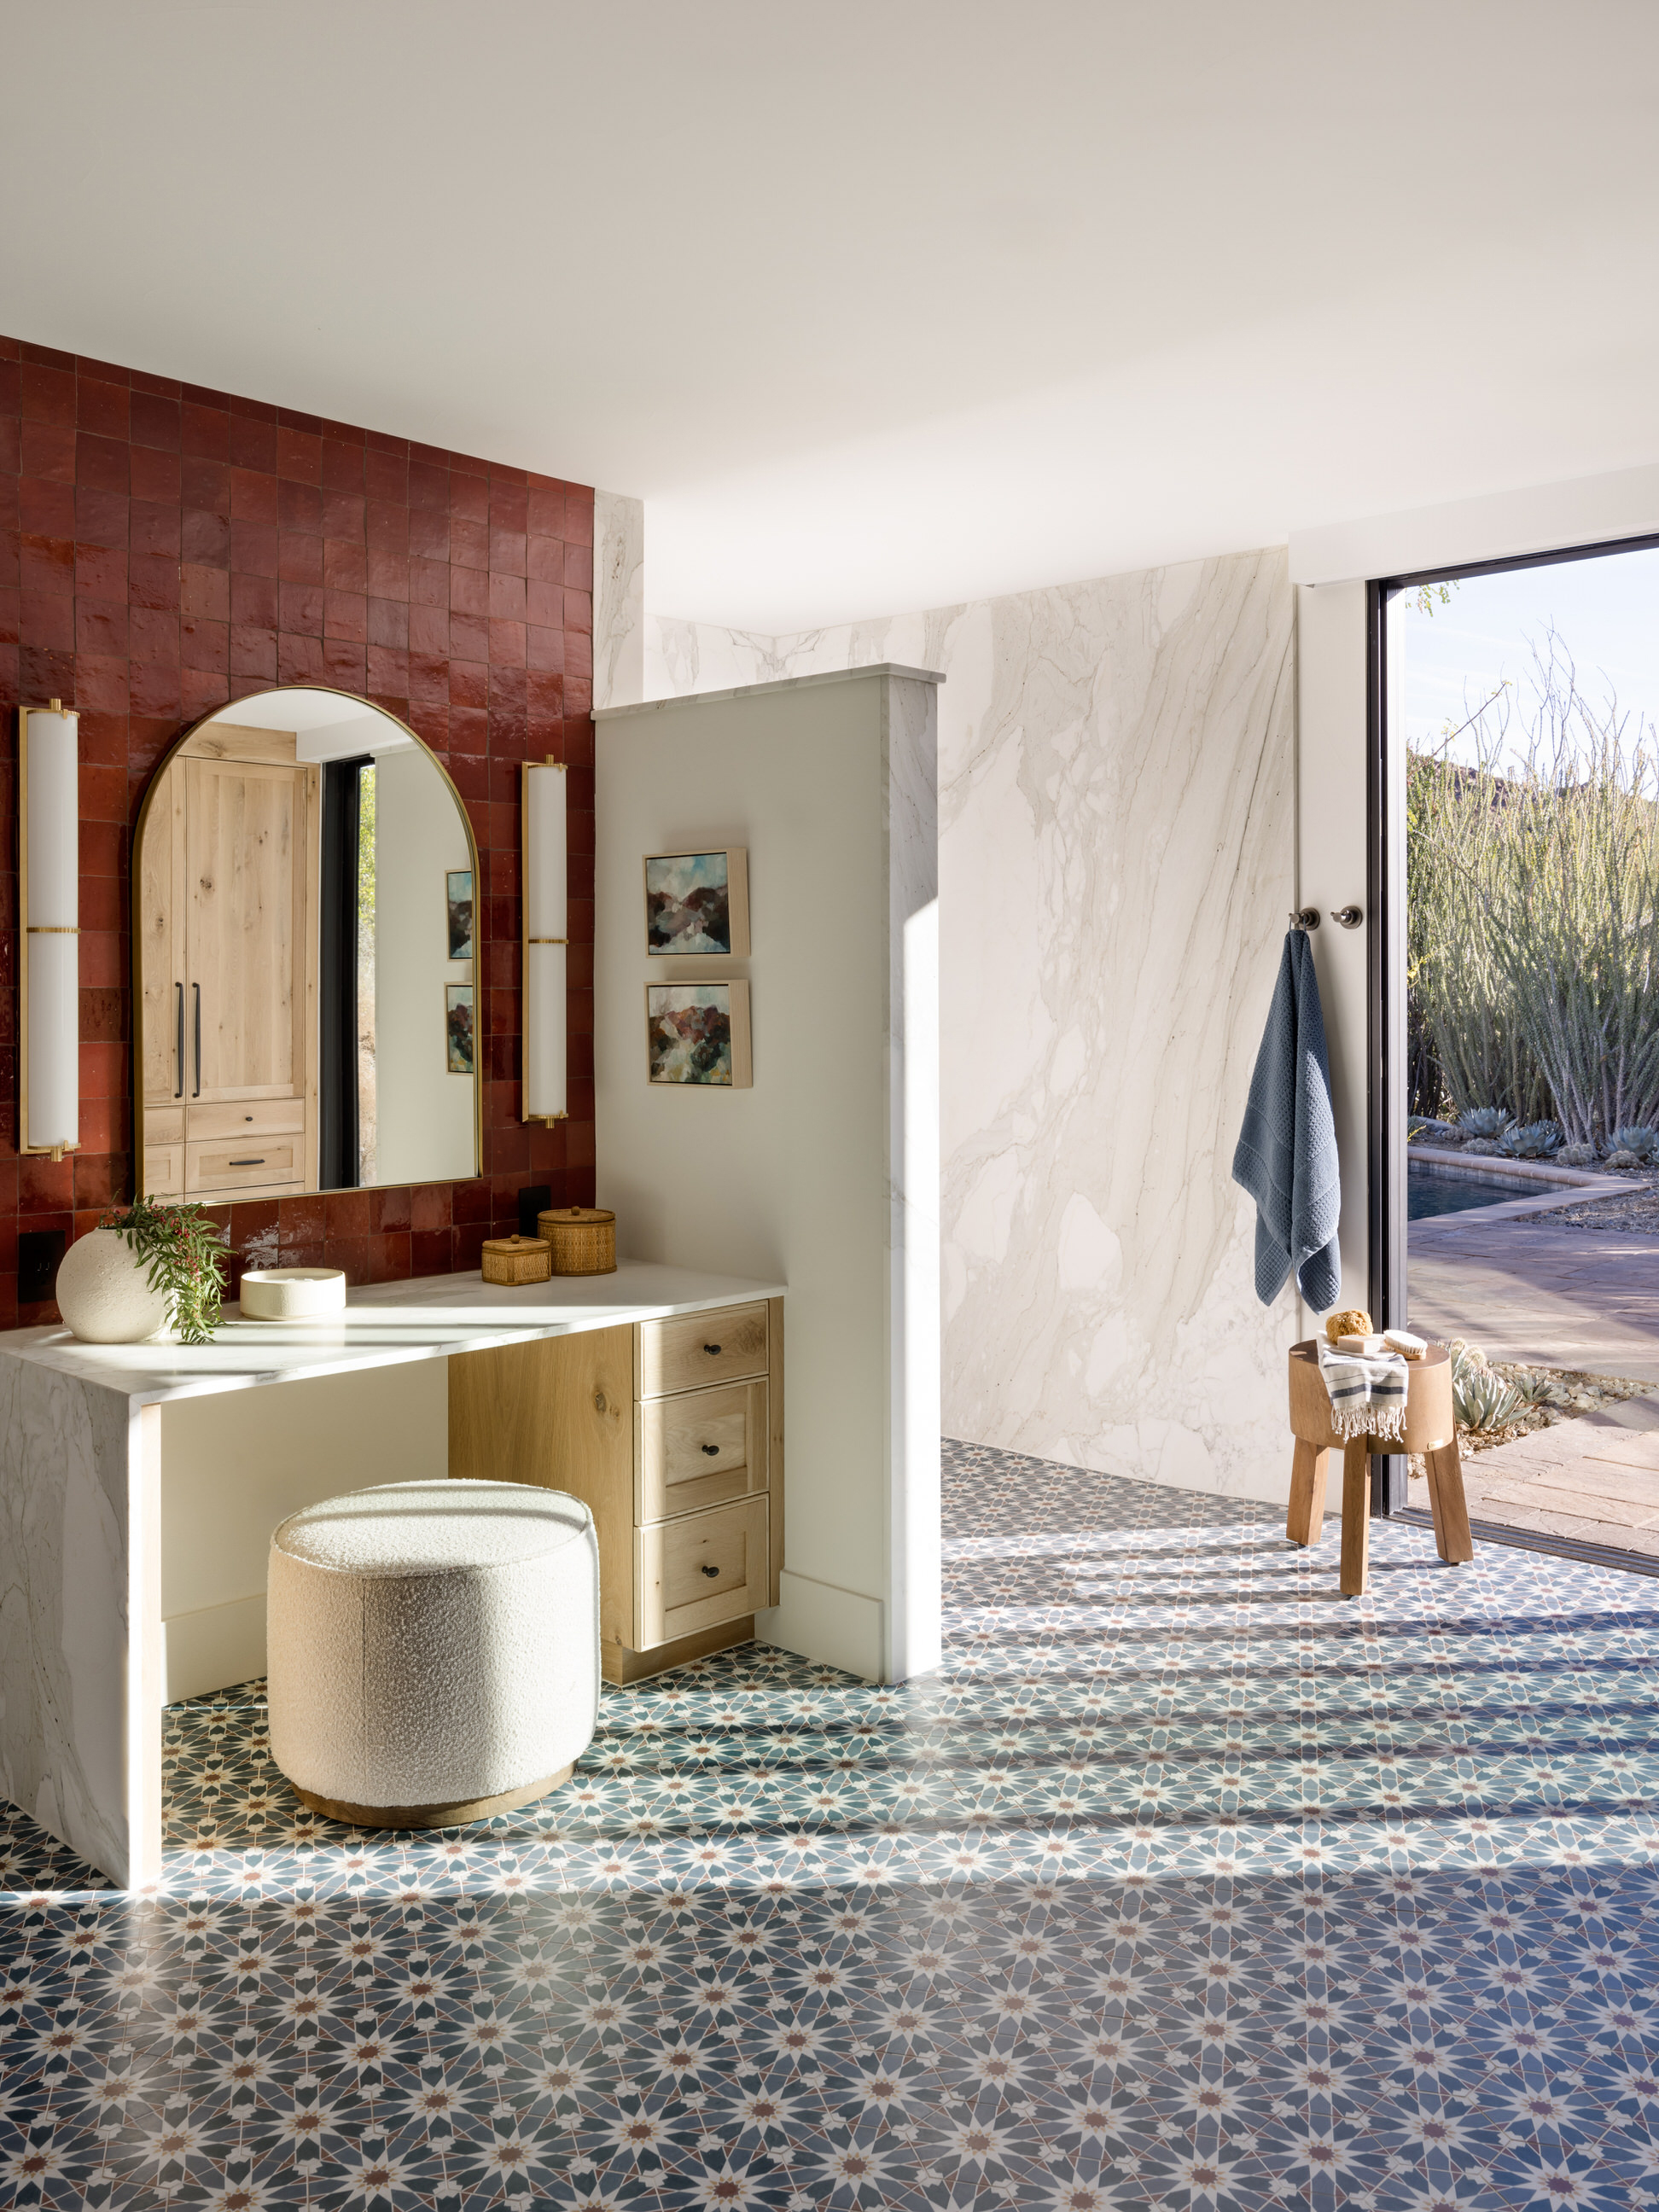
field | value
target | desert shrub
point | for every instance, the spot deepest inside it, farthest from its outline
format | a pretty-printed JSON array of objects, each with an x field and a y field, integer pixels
[{"x": 1533, "y": 879}]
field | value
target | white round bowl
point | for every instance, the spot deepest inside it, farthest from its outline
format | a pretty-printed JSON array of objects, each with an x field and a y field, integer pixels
[
  {"x": 103, "y": 1294},
  {"x": 292, "y": 1293}
]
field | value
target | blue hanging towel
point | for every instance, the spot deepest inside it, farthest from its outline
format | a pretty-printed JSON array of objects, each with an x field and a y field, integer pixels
[{"x": 1286, "y": 1156}]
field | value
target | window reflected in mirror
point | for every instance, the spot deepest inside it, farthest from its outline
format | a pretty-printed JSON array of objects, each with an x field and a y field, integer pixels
[{"x": 303, "y": 929}]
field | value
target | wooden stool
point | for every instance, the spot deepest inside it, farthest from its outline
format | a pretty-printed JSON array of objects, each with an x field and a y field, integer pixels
[{"x": 1431, "y": 1429}]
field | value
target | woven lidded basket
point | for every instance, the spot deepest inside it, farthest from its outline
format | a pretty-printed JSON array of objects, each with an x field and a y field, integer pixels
[
  {"x": 516, "y": 1259},
  {"x": 583, "y": 1237}
]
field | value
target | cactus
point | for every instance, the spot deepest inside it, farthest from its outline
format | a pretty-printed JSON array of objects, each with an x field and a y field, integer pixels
[
  {"x": 1483, "y": 1400},
  {"x": 1639, "y": 1139},
  {"x": 1532, "y": 1140},
  {"x": 1485, "y": 1121}
]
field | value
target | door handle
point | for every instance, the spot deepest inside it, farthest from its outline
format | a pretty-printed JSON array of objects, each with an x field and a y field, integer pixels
[
  {"x": 260, "y": 1163},
  {"x": 711, "y": 1573},
  {"x": 180, "y": 1092},
  {"x": 712, "y": 1349},
  {"x": 197, "y": 989},
  {"x": 713, "y": 1450}
]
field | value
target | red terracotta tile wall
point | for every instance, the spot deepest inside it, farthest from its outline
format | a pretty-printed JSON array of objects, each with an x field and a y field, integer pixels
[{"x": 164, "y": 550}]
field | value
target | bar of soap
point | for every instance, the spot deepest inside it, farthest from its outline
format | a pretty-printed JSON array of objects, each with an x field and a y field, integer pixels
[
  {"x": 1363, "y": 1347},
  {"x": 1352, "y": 1321},
  {"x": 1403, "y": 1341}
]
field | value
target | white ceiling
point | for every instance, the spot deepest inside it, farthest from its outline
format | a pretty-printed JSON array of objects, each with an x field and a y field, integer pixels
[
  {"x": 327, "y": 725},
  {"x": 881, "y": 304}
]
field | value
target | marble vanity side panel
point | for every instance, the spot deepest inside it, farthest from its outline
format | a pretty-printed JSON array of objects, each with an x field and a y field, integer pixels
[
  {"x": 64, "y": 1608},
  {"x": 1117, "y": 804},
  {"x": 619, "y": 600},
  {"x": 909, "y": 734}
]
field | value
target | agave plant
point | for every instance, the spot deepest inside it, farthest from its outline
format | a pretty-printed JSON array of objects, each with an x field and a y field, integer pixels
[
  {"x": 1531, "y": 1140},
  {"x": 1537, "y": 1386},
  {"x": 1485, "y": 1120},
  {"x": 1482, "y": 1399},
  {"x": 1637, "y": 1138}
]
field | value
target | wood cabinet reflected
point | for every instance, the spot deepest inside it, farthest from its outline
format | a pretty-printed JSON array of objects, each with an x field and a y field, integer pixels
[{"x": 292, "y": 931}]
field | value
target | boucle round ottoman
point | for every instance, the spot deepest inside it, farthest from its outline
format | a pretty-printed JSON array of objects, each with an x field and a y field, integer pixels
[{"x": 433, "y": 1649}]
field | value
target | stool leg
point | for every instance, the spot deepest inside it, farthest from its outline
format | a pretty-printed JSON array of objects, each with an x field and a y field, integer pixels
[
  {"x": 1305, "y": 1522},
  {"x": 1450, "y": 1509},
  {"x": 1356, "y": 1517}
]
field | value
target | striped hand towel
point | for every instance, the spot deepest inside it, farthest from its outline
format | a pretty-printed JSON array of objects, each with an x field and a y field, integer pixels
[{"x": 1367, "y": 1396}]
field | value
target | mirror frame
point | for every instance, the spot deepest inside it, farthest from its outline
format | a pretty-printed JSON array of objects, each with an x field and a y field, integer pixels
[{"x": 136, "y": 1046}]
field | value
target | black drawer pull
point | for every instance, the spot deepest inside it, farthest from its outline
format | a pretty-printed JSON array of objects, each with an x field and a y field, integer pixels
[
  {"x": 712, "y": 1350},
  {"x": 713, "y": 1450},
  {"x": 260, "y": 1163},
  {"x": 711, "y": 1573}
]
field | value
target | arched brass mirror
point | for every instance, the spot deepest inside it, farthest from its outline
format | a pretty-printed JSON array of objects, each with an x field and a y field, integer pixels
[{"x": 304, "y": 889}]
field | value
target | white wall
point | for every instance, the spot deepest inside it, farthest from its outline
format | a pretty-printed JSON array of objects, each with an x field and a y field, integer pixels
[
  {"x": 824, "y": 1175},
  {"x": 232, "y": 1466},
  {"x": 1115, "y": 869},
  {"x": 426, "y": 1115}
]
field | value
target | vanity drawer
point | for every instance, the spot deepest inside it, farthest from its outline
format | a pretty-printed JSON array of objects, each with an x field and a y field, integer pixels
[
  {"x": 164, "y": 1125},
  {"x": 699, "y": 1571},
  {"x": 718, "y": 1346},
  {"x": 241, "y": 1164},
  {"x": 703, "y": 1448},
  {"x": 248, "y": 1117},
  {"x": 164, "y": 1170}
]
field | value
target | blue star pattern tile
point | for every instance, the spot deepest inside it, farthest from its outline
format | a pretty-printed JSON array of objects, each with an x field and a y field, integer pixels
[{"x": 1184, "y": 1882}]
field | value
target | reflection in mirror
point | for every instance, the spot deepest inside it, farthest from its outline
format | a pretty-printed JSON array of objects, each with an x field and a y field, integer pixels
[{"x": 303, "y": 930}]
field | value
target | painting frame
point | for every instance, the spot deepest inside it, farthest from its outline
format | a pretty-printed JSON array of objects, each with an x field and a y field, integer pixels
[
  {"x": 691, "y": 862},
  {"x": 460, "y": 1036},
  {"x": 734, "y": 991},
  {"x": 455, "y": 904}
]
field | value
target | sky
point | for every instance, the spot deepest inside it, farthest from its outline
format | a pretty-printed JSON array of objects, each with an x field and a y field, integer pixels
[{"x": 1605, "y": 612}]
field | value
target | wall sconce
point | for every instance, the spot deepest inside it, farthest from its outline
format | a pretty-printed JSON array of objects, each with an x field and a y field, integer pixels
[
  {"x": 49, "y": 914},
  {"x": 546, "y": 932}
]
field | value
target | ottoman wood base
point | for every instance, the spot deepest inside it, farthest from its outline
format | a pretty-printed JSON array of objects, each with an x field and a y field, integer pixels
[{"x": 431, "y": 1816}]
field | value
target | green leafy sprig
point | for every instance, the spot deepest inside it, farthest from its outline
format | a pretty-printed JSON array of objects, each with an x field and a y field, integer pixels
[{"x": 183, "y": 1254}]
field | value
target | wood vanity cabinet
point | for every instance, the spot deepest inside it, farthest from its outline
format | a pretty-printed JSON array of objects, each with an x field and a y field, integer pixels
[
  {"x": 671, "y": 1433},
  {"x": 227, "y": 920}
]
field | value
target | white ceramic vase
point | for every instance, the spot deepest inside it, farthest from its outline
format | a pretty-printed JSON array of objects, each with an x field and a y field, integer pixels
[{"x": 103, "y": 1294}]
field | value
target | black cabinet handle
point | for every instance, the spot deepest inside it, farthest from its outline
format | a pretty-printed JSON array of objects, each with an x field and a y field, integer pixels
[
  {"x": 180, "y": 1092},
  {"x": 260, "y": 1163},
  {"x": 711, "y": 1349},
  {"x": 713, "y": 1450},
  {"x": 711, "y": 1573},
  {"x": 197, "y": 989}
]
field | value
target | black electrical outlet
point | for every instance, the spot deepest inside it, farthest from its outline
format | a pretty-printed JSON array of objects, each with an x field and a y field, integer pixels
[
  {"x": 532, "y": 1202},
  {"x": 38, "y": 1253}
]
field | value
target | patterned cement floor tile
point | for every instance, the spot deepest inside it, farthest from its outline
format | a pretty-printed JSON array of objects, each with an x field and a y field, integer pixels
[{"x": 1182, "y": 1883}]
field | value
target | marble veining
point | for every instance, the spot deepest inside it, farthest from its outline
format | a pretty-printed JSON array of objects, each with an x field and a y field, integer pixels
[
  {"x": 619, "y": 600},
  {"x": 64, "y": 1588},
  {"x": 1115, "y": 827}
]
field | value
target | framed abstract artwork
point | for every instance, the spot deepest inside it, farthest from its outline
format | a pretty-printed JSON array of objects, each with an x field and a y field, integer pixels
[
  {"x": 698, "y": 1033},
  {"x": 457, "y": 1027},
  {"x": 458, "y": 896},
  {"x": 698, "y": 903}
]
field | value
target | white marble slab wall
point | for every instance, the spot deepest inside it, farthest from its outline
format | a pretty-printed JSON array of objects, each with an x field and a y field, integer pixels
[
  {"x": 63, "y": 1607},
  {"x": 1116, "y": 836},
  {"x": 619, "y": 600}
]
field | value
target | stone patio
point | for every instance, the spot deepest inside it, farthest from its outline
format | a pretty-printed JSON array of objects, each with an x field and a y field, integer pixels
[{"x": 1565, "y": 1296}]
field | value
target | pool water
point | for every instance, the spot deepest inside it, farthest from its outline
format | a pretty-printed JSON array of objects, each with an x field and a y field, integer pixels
[{"x": 1432, "y": 1190}]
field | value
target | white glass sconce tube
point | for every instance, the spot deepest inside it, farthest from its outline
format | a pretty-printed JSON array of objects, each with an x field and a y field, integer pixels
[
  {"x": 48, "y": 912},
  {"x": 546, "y": 932}
]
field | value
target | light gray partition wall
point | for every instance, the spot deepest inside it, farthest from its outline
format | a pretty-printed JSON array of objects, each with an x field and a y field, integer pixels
[{"x": 825, "y": 1172}]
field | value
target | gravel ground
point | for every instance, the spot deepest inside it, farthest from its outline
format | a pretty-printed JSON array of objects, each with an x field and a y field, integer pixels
[
  {"x": 1584, "y": 1393},
  {"x": 1633, "y": 1214}
]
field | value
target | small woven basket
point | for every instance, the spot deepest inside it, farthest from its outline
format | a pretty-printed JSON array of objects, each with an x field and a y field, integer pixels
[
  {"x": 516, "y": 1259},
  {"x": 583, "y": 1238}
]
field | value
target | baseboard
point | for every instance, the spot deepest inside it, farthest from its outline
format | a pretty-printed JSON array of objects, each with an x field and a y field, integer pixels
[
  {"x": 214, "y": 1649},
  {"x": 837, "y": 1627}
]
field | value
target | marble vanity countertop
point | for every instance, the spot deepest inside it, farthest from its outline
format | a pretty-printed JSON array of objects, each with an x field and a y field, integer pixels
[{"x": 428, "y": 1318}]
